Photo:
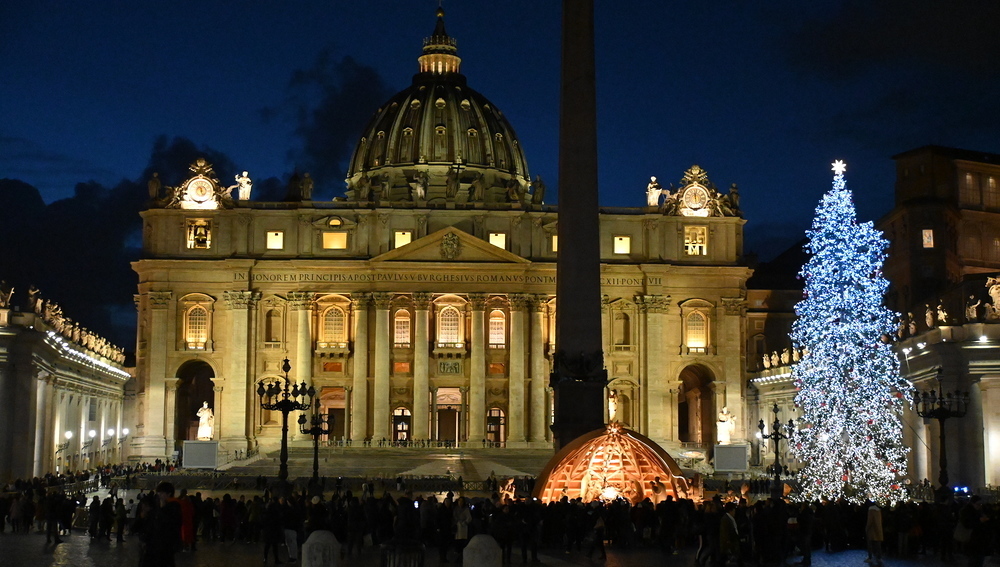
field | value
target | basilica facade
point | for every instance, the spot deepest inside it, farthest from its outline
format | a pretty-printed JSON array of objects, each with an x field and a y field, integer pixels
[{"x": 421, "y": 305}]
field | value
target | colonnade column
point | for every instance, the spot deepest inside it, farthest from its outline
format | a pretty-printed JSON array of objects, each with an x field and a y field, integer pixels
[
  {"x": 477, "y": 373},
  {"x": 302, "y": 302},
  {"x": 990, "y": 390},
  {"x": 359, "y": 399},
  {"x": 236, "y": 429},
  {"x": 463, "y": 418},
  {"x": 539, "y": 367},
  {"x": 381, "y": 390},
  {"x": 38, "y": 431},
  {"x": 421, "y": 416},
  {"x": 170, "y": 412},
  {"x": 434, "y": 413},
  {"x": 515, "y": 401}
]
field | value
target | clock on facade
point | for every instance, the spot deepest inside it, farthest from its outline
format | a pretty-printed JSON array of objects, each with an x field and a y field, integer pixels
[{"x": 696, "y": 197}]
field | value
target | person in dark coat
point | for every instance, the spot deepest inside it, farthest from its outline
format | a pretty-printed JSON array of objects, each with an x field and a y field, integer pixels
[
  {"x": 971, "y": 517},
  {"x": 159, "y": 527},
  {"x": 94, "y": 517},
  {"x": 272, "y": 531},
  {"x": 729, "y": 536}
]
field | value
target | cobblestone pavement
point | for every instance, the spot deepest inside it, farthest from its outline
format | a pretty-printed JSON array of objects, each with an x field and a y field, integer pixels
[{"x": 30, "y": 550}]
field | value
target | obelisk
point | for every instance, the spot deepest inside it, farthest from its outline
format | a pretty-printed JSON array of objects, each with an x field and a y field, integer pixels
[{"x": 578, "y": 378}]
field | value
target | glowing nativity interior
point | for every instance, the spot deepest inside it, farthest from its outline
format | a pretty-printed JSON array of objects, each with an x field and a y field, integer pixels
[{"x": 611, "y": 463}]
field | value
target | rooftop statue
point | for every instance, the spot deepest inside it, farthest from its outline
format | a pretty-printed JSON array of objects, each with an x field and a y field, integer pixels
[
  {"x": 6, "y": 291},
  {"x": 245, "y": 185},
  {"x": 653, "y": 192},
  {"x": 154, "y": 186}
]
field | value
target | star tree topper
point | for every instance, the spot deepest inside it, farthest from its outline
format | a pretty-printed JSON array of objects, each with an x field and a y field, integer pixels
[{"x": 839, "y": 167}]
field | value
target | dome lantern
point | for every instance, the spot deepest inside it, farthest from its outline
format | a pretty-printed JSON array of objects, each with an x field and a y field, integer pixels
[{"x": 440, "y": 54}]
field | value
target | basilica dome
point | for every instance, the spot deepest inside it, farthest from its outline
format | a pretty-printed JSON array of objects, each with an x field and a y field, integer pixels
[{"x": 439, "y": 140}]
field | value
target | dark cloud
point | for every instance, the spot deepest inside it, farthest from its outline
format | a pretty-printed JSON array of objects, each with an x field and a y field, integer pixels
[
  {"x": 329, "y": 105},
  {"x": 78, "y": 250},
  {"x": 51, "y": 172}
]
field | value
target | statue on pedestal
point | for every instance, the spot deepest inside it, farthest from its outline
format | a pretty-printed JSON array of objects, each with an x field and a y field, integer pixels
[
  {"x": 725, "y": 426},
  {"x": 653, "y": 192},
  {"x": 6, "y": 291},
  {"x": 154, "y": 186},
  {"x": 206, "y": 423},
  {"x": 245, "y": 185},
  {"x": 972, "y": 309}
]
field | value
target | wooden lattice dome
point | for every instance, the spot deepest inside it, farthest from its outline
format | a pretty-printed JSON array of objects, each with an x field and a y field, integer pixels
[{"x": 611, "y": 463}]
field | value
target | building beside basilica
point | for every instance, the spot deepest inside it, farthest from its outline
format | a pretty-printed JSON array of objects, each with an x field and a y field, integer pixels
[
  {"x": 421, "y": 304},
  {"x": 63, "y": 388}
]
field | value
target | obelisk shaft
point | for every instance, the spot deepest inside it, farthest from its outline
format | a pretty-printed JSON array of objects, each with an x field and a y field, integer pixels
[{"x": 578, "y": 378}]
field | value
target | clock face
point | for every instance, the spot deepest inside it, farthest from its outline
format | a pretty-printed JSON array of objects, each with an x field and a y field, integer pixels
[
  {"x": 199, "y": 190},
  {"x": 695, "y": 197}
]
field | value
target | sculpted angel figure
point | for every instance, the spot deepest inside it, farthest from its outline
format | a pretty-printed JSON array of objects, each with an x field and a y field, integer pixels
[{"x": 972, "y": 309}]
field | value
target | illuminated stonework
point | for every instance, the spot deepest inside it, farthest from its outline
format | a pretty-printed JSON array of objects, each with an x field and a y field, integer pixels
[{"x": 610, "y": 464}]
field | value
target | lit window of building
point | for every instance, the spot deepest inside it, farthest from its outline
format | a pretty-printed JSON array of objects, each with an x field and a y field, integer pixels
[
  {"x": 696, "y": 240},
  {"x": 498, "y": 239},
  {"x": 401, "y": 328},
  {"x": 555, "y": 242},
  {"x": 696, "y": 331},
  {"x": 197, "y": 328},
  {"x": 498, "y": 329},
  {"x": 334, "y": 326},
  {"x": 275, "y": 240},
  {"x": 928, "y": 237},
  {"x": 449, "y": 328},
  {"x": 199, "y": 234},
  {"x": 401, "y": 238},
  {"x": 623, "y": 245},
  {"x": 335, "y": 240}
]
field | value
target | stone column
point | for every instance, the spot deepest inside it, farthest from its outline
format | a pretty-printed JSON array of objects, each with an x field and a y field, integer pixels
[
  {"x": 435, "y": 435},
  {"x": 153, "y": 443},
  {"x": 170, "y": 411},
  {"x": 235, "y": 431},
  {"x": 302, "y": 303},
  {"x": 463, "y": 418},
  {"x": 477, "y": 371},
  {"x": 381, "y": 391},
  {"x": 651, "y": 309},
  {"x": 990, "y": 390},
  {"x": 359, "y": 408},
  {"x": 515, "y": 400},
  {"x": 421, "y": 377},
  {"x": 221, "y": 413},
  {"x": 539, "y": 370},
  {"x": 38, "y": 462},
  {"x": 347, "y": 411}
]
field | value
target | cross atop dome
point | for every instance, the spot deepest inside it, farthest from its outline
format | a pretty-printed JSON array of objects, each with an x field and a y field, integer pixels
[{"x": 440, "y": 53}]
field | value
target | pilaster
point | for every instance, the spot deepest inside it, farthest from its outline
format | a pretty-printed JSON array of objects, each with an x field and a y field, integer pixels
[
  {"x": 477, "y": 371},
  {"x": 359, "y": 401},
  {"x": 381, "y": 390},
  {"x": 421, "y": 352}
]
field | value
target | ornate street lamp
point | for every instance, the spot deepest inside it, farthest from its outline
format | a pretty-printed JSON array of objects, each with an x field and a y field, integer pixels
[
  {"x": 319, "y": 424},
  {"x": 111, "y": 433},
  {"x": 941, "y": 406},
  {"x": 63, "y": 446},
  {"x": 777, "y": 436},
  {"x": 121, "y": 439},
  {"x": 277, "y": 398}
]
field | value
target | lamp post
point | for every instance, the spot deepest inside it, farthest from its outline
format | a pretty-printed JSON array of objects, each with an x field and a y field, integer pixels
[
  {"x": 319, "y": 424},
  {"x": 777, "y": 436},
  {"x": 275, "y": 397},
  {"x": 64, "y": 445},
  {"x": 942, "y": 407}
]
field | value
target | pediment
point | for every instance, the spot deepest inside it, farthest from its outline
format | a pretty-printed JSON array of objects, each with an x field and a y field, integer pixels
[{"x": 450, "y": 245}]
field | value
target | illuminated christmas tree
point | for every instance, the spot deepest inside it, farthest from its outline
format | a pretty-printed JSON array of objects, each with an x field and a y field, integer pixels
[{"x": 849, "y": 438}]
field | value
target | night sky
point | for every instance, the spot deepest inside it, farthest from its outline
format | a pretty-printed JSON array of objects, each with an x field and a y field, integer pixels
[{"x": 765, "y": 95}]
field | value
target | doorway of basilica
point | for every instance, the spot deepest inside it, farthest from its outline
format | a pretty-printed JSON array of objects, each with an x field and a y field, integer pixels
[
  {"x": 333, "y": 403},
  {"x": 448, "y": 418},
  {"x": 194, "y": 388},
  {"x": 696, "y": 411}
]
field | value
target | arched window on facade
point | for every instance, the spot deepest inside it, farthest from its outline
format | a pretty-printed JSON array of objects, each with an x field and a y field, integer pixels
[
  {"x": 272, "y": 326},
  {"x": 696, "y": 331},
  {"x": 196, "y": 328},
  {"x": 450, "y": 327},
  {"x": 498, "y": 329},
  {"x": 334, "y": 327},
  {"x": 401, "y": 328}
]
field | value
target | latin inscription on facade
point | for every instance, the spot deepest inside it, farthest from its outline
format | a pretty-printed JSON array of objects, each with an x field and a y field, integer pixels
[
  {"x": 429, "y": 277},
  {"x": 449, "y": 367}
]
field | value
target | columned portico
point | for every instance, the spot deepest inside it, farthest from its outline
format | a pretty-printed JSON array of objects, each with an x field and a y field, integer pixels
[
  {"x": 539, "y": 370},
  {"x": 421, "y": 353},
  {"x": 359, "y": 395},
  {"x": 301, "y": 303},
  {"x": 234, "y": 431},
  {"x": 516, "y": 405}
]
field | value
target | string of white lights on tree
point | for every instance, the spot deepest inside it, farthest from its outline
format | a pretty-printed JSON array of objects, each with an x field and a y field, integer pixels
[{"x": 849, "y": 438}]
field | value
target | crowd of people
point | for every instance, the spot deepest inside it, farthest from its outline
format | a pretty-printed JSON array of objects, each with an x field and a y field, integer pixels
[{"x": 766, "y": 532}]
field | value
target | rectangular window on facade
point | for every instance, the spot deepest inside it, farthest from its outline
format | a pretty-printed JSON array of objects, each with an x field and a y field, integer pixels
[
  {"x": 696, "y": 240},
  {"x": 555, "y": 242},
  {"x": 275, "y": 240},
  {"x": 401, "y": 332},
  {"x": 400, "y": 367},
  {"x": 92, "y": 411},
  {"x": 623, "y": 245},
  {"x": 498, "y": 239},
  {"x": 928, "y": 237},
  {"x": 969, "y": 190},
  {"x": 333, "y": 367},
  {"x": 991, "y": 194},
  {"x": 199, "y": 234},
  {"x": 401, "y": 238},
  {"x": 335, "y": 240}
]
